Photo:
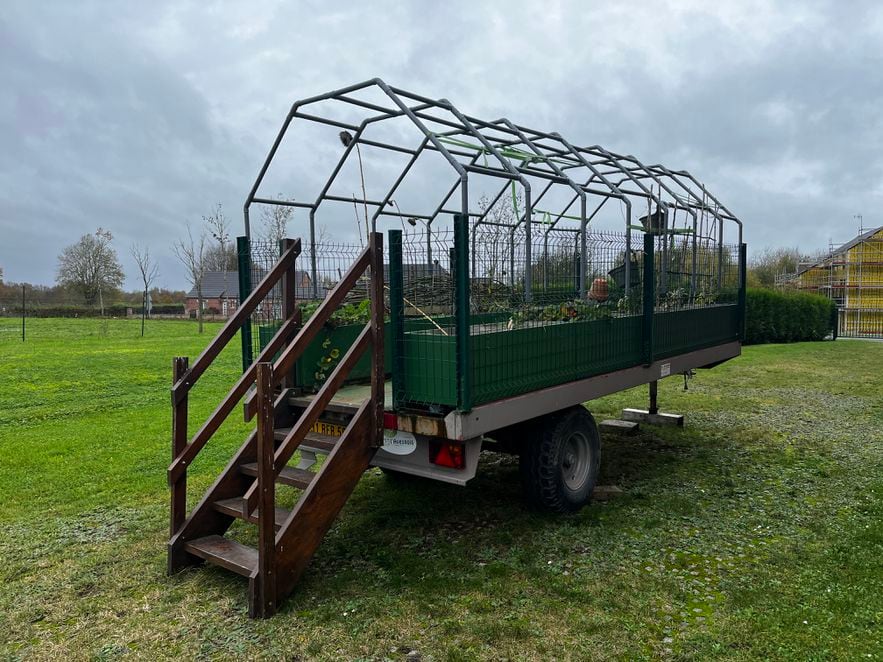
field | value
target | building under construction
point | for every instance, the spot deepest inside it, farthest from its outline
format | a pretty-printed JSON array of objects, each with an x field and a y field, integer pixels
[{"x": 851, "y": 275}]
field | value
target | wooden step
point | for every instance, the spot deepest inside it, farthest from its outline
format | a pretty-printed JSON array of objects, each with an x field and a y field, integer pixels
[
  {"x": 226, "y": 553},
  {"x": 299, "y": 478},
  {"x": 336, "y": 407},
  {"x": 320, "y": 443},
  {"x": 234, "y": 507}
]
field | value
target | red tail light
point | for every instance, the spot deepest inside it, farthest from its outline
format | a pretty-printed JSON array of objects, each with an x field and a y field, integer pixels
[
  {"x": 447, "y": 454},
  {"x": 390, "y": 421}
]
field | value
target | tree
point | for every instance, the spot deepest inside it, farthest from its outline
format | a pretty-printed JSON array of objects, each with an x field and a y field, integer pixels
[
  {"x": 768, "y": 263},
  {"x": 275, "y": 220},
  {"x": 149, "y": 271},
  {"x": 192, "y": 253},
  {"x": 220, "y": 257},
  {"x": 91, "y": 267},
  {"x": 495, "y": 237}
]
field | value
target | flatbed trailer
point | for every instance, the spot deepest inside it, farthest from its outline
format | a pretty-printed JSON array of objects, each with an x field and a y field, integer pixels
[{"x": 488, "y": 328}]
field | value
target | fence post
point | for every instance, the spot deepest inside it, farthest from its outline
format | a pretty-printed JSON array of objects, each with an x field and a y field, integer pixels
[
  {"x": 461, "y": 309},
  {"x": 742, "y": 285},
  {"x": 396, "y": 316},
  {"x": 243, "y": 252},
  {"x": 179, "y": 442},
  {"x": 649, "y": 298},
  {"x": 378, "y": 372},
  {"x": 264, "y": 594},
  {"x": 289, "y": 299}
]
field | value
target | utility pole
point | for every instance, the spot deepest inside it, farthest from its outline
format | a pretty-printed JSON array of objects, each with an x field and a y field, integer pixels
[{"x": 22, "y": 312}]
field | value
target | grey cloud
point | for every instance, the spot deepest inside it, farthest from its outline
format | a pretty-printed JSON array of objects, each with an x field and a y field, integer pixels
[{"x": 140, "y": 117}]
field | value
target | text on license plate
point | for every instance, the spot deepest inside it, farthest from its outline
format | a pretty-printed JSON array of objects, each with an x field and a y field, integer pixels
[{"x": 331, "y": 429}]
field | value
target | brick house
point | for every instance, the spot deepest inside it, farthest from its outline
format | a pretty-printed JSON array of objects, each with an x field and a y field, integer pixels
[{"x": 220, "y": 292}]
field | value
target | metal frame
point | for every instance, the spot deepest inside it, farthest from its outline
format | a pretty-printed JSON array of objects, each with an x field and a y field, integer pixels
[
  {"x": 486, "y": 418},
  {"x": 510, "y": 152}
]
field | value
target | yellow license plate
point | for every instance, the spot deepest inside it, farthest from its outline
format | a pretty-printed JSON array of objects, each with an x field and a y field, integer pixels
[{"x": 330, "y": 429}]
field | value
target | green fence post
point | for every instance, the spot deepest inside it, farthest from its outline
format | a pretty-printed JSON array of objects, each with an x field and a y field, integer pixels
[
  {"x": 649, "y": 299},
  {"x": 743, "y": 261},
  {"x": 461, "y": 310},
  {"x": 243, "y": 252},
  {"x": 397, "y": 316}
]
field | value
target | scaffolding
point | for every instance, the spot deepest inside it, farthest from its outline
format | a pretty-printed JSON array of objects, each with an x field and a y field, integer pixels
[{"x": 850, "y": 275}]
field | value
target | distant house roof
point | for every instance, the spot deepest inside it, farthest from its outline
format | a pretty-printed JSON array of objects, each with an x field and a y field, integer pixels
[
  {"x": 844, "y": 248},
  {"x": 225, "y": 284},
  {"x": 218, "y": 284}
]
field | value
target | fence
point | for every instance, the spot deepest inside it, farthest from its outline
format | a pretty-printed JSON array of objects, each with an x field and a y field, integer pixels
[{"x": 464, "y": 328}]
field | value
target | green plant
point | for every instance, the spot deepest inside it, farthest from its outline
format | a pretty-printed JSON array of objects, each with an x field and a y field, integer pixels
[
  {"x": 348, "y": 313},
  {"x": 567, "y": 311}
]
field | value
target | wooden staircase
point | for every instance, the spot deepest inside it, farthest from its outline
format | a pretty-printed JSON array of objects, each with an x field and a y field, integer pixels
[{"x": 246, "y": 488}]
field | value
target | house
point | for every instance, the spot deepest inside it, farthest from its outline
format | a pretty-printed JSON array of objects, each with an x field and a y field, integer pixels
[
  {"x": 851, "y": 275},
  {"x": 220, "y": 292}
]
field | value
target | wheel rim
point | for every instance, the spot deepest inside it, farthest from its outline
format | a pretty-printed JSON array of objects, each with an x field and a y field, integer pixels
[{"x": 576, "y": 461}]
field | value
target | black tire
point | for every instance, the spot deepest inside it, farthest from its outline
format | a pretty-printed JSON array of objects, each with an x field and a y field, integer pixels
[{"x": 559, "y": 464}]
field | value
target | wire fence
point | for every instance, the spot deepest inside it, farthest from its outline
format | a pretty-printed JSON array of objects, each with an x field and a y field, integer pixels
[{"x": 567, "y": 309}]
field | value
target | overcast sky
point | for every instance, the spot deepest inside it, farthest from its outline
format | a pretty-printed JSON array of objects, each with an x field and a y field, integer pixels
[{"x": 139, "y": 117}]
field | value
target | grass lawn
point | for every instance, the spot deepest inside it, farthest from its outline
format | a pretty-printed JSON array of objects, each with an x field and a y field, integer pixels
[{"x": 755, "y": 532}]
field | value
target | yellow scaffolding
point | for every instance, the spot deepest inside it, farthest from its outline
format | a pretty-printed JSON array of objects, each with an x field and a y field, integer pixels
[{"x": 851, "y": 275}]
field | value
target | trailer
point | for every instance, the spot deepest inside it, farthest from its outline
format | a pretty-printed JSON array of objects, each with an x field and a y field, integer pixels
[{"x": 484, "y": 317}]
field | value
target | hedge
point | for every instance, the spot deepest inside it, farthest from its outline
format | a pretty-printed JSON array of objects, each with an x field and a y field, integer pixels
[
  {"x": 112, "y": 310},
  {"x": 779, "y": 317}
]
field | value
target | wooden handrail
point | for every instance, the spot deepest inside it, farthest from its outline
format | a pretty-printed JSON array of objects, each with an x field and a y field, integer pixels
[
  {"x": 311, "y": 414},
  {"x": 243, "y": 312},
  {"x": 240, "y": 388},
  {"x": 285, "y": 363}
]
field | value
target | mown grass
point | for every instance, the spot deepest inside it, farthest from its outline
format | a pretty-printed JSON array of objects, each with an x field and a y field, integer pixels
[{"x": 755, "y": 532}]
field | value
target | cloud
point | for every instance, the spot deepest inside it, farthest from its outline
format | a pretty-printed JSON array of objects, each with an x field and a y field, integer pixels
[{"x": 140, "y": 117}]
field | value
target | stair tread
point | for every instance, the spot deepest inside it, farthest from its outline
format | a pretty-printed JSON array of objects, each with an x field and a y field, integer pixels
[
  {"x": 226, "y": 553},
  {"x": 335, "y": 406},
  {"x": 293, "y": 476},
  {"x": 313, "y": 440},
  {"x": 234, "y": 507}
]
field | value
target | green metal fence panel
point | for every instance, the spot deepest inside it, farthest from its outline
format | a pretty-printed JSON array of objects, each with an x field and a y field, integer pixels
[
  {"x": 396, "y": 317},
  {"x": 649, "y": 300},
  {"x": 680, "y": 331},
  {"x": 243, "y": 255},
  {"x": 462, "y": 311},
  {"x": 509, "y": 363},
  {"x": 433, "y": 379}
]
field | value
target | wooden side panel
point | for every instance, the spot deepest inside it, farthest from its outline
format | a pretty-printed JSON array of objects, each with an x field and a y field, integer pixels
[{"x": 262, "y": 594}]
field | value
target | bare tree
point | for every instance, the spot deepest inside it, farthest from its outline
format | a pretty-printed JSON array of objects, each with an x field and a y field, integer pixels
[
  {"x": 192, "y": 254},
  {"x": 494, "y": 237},
  {"x": 768, "y": 263},
  {"x": 91, "y": 267},
  {"x": 222, "y": 256},
  {"x": 148, "y": 270},
  {"x": 275, "y": 220}
]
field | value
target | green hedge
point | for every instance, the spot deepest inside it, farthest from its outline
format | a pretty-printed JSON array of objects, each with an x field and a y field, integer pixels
[
  {"x": 777, "y": 317},
  {"x": 111, "y": 310}
]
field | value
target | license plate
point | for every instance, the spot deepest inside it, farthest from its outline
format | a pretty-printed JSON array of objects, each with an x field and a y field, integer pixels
[{"x": 330, "y": 429}]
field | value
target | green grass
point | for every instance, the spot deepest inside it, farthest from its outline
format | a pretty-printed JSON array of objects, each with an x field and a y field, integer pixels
[{"x": 755, "y": 532}]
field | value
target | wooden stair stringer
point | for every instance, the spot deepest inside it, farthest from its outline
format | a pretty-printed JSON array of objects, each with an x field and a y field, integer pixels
[
  {"x": 205, "y": 519},
  {"x": 320, "y": 504}
]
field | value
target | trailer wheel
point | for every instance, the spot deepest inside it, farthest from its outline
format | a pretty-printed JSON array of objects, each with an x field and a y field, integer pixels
[{"x": 559, "y": 466}]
